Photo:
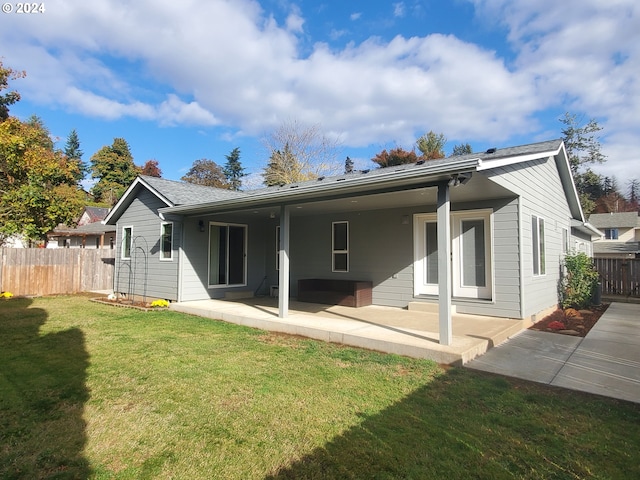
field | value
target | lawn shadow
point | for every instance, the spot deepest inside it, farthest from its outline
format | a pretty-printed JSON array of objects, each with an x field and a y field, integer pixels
[
  {"x": 467, "y": 424},
  {"x": 42, "y": 395}
]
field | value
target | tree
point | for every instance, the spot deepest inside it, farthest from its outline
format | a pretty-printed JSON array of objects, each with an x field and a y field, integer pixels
[
  {"x": 396, "y": 156},
  {"x": 315, "y": 153},
  {"x": 283, "y": 168},
  {"x": 233, "y": 170},
  {"x": 348, "y": 165},
  {"x": 462, "y": 149},
  {"x": 206, "y": 172},
  {"x": 113, "y": 166},
  {"x": 633, "y": 195},
  {"x": 9, "y": 98},
  {"x": 74, "y": 154},
  {"x": 151, "y": 169},
  {"x": 37, "y": 183},
  {"x": 431, "y": 145},
  {"x": 583, "y": 149}
]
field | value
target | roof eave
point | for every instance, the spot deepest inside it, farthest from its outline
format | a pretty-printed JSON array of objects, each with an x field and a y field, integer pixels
[{"x": 349, "y": 186}]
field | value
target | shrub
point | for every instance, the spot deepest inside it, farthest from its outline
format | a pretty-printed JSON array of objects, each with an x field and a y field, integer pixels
[
  {"x": 160, "y": 303},
  {"x": 579, "y": 281},
  {"x": 6, "y": 295}
]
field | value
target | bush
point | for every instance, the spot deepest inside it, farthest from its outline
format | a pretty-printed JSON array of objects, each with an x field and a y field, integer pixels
[{"x": 579, "y": 281}]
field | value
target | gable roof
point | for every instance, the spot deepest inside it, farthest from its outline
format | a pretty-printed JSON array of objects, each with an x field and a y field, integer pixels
[
  {"x": 615, "y": 220},
  {"x": 171, "y": 192},
  {"x": 96, "y": 214}
]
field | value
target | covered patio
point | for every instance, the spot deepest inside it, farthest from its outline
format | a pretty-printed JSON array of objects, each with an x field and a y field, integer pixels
[{"x": 409, "y": 332}]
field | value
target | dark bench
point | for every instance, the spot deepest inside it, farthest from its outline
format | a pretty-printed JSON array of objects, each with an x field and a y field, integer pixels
[{"x": 349, "y": 293}]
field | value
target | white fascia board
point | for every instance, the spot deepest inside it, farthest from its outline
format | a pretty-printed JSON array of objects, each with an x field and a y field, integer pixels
[
  {"x": 488, "y": 164},
  {"x": 360, "y": 184}
]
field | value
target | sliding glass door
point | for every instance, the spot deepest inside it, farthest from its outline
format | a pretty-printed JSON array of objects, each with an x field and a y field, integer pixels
[{"x": 227, "y": 254}]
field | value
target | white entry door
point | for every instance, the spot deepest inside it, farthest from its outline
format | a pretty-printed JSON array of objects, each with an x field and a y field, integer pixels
[{"x": 471, "y": 254}]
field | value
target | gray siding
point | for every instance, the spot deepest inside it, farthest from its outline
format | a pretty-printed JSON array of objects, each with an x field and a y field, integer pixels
[
  {"x": 538, "y": 183},
  {"x": 145, "y": 274}
]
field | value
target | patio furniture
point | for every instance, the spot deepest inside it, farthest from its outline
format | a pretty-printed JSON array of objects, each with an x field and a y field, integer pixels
[{"x": 348, "y": 293}]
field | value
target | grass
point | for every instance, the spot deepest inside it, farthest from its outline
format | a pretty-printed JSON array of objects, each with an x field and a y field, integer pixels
[{"x": 95, "y": 391}]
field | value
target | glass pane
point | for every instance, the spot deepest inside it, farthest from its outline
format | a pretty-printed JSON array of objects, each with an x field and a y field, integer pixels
[
  {"x": 217, "y": 254},
  {"x": 431, "y": 253},
  {"x": 126, "y": 243},
  {"x": 473, "y": 253},
  {"x": 166, "y": 240},
  {"x": 340, "y": 236},
  {"x": 340, "y": 262},
  {"x": 236, "y": 255}
]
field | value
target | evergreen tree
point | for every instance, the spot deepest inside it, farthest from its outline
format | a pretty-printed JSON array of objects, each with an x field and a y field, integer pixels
[
  {"x": 233, "y": 170},
  {"x": 284, "y": 168},
  {"x": 74, "y": 154},
  {"x": 348, "y": 165},
  {"x": 431, "y": 145},
  {"x": 462, "y": 149}
]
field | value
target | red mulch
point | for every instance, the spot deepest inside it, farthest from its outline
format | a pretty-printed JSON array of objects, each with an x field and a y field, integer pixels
[{"x": 571, "y": 321}]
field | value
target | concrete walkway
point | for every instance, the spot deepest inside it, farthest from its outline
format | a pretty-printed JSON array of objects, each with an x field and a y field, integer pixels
[{"x": 605, "y": 362}]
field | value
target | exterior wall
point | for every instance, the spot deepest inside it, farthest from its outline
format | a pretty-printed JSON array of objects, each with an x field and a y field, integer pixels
[
  {"x": 542, "y": 194},
  {"x": 145, "y": 274},
  {"x": 194, "y": 257},
  {"x": 581, "y": 243},
  {"x": 381, "y": 251}
]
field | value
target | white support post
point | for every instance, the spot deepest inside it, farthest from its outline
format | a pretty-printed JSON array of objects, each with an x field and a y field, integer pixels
[
  {"x": 444, "y": 264},
  {"x": 283, "y": 278}
]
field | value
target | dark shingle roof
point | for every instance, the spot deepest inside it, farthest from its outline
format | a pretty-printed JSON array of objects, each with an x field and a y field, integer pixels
[
  {"x": 615, "y": 220},
  {"x": 183, "y": 193}
]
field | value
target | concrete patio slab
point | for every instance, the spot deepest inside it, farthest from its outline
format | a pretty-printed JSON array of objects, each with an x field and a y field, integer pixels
[
  {"x": 384, "y": 329},
  {"x": 605, "y": 362}
]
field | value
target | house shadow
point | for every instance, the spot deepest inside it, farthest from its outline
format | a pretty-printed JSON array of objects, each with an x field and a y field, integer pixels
[{"x": 42, "y": 395}]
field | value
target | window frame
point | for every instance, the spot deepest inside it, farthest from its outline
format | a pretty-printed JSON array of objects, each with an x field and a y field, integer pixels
[
  {"x": 277, "y": 248},
  {"x": 245, "y": 229},
  {"x": 538, "y": 246},
  {"x": 164, "y": 258},
  {"x": 611, "y": 233},
  {"x": 335, "y": 252},
  {"x": 126, "y": 239}
]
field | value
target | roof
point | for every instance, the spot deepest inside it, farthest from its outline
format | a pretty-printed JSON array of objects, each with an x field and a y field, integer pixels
[
  {"x": 616, "y": 247},
  {"x": 96, "y": 214},
  {"x": 615, "y": 220},
  {"x": 425, "y": 173},
  {"x": 172, "y": 193},
  {"x": 96, "y": 228}
]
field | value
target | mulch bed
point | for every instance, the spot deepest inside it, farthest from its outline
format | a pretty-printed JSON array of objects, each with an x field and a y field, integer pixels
[{"x": 570, "y": 321}]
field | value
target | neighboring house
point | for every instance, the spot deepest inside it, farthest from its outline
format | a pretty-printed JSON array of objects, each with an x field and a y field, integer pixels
[
  {"x": 482, "y": 234},
  {"x": 621, "y": 235},
  {"x": 91, "y": 232}
]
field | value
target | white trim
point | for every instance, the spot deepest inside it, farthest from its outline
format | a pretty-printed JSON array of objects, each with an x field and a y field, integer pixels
[
  {"x": 459, "y": 290},
  {"x": 161, "y": 253},
  {"x": 535, "y": 247}
]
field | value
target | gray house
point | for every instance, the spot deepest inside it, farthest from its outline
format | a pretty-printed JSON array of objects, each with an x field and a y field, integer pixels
[{"x": 480, "y": 234}]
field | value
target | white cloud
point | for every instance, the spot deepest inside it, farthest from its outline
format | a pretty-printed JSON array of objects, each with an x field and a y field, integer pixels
[{"x": 231, "y": 64}]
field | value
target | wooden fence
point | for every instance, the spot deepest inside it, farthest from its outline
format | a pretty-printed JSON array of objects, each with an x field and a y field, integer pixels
[
  {"x": 42, "y": 271},
  {"x": 619, "y": 276}
]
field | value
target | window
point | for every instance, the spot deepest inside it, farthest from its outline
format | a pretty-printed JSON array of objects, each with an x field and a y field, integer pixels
[
  {"x": 127, "y": 233},
  {"x": 537, "y": 230},
  {"x": 227, "y": 254},
  {"x": 611, "y": 233},
  {"x": 166, "y": 241},
  {"x": 340, "y": 246},
  {"x": 565, "y": 240}
]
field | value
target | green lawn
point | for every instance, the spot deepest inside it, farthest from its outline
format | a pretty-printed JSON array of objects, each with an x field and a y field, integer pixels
[{"x": 94, "y": 391}]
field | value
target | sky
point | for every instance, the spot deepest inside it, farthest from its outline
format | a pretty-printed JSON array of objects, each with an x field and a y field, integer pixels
[{"x": 186, "y": 80}]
